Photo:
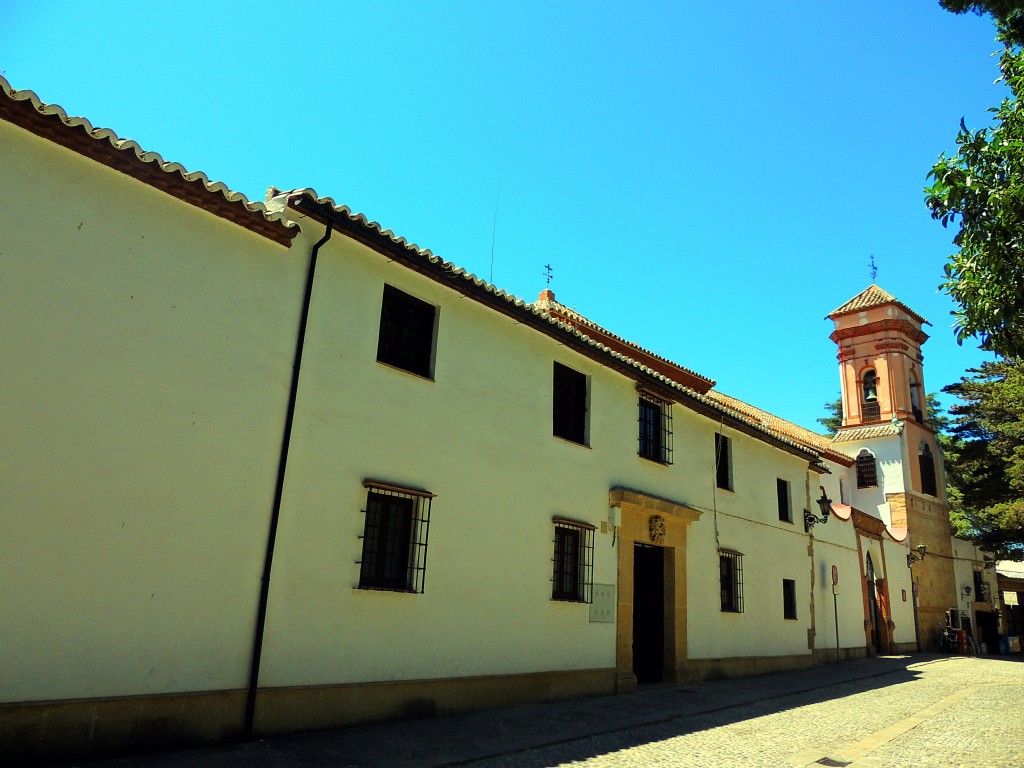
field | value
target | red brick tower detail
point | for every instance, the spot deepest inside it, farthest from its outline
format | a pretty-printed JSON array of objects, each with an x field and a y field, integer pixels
[{"x": 880, "y": 361}]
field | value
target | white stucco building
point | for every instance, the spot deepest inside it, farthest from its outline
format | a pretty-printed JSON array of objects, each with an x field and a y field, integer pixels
[{"x": 270, "y": 468}]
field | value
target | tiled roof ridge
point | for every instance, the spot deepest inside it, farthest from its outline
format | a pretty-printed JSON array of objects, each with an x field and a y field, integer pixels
[
  {"x": 819, "y": 443},
  {"x": 542, "y": 304},
  {"x": 872, "y": 296},
  {"x": 154, "y": 159},
  {"x": 284, "y": 198}
]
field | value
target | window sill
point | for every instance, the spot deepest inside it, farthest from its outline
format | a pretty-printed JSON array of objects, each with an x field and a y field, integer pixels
[
  {"x": 406, "y": 371},
  {"x": 729, "y": 490},
  {"x": 652, "y": 460},
  {"x": 570, "y": 441}
]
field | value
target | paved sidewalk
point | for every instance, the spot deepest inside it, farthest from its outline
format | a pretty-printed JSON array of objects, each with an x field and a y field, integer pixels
[{"x": 458, "y": 739}]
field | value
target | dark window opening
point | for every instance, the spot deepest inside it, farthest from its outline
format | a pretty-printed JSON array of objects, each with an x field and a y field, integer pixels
[
  {"x": 394, "y": 553},
  {"x": 573, "y": 562},
  {"x": 867, "y": 470},
  {"x": 915, "y": 402},
  {"x": 406, "y": 337},
  {"x": 782, "y": 490},
  {"x": 927, "y": 466},
  {"x": 655, "y": 429},
  {"x": 870, "y": 409},
  {"x": 723, "y": 462},
  {"x": 569, "y": 404},
  {"x": 730, "y": 573},
  {"x": 982, "y": 589},
  {"x": 788, "y": 599}
]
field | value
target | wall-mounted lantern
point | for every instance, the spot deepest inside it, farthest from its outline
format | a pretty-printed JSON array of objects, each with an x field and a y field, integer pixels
[
  {"x": 912, "y": 558},
  {"x": 825, "y": 505}
]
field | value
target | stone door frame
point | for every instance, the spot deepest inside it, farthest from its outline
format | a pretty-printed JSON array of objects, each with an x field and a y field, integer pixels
[{"x": 649, "y": 519}]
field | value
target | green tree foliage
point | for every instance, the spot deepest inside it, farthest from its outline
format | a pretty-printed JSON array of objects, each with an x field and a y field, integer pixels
[
  {"x": 1007, "y": 14},
  {"x": 982, "y": 188},
  {"x": 937, "y": 418},
  {"x": 833, "y": 418},
  {"x": 985, "y": 457}
]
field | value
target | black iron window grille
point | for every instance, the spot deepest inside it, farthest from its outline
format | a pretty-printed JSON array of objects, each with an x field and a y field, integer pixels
[
  {"x": 871, "y": 410},
  {"x": 572, "y": 577},
  {"x": 394, "y": 553},
  {"x": 788, "y": 599},
  {"x": 655, "y": 428},
  {"x": 569, "y": 404},
  {"x": 926, "y": 464},
  {"x": 730, "y": 572},
  {"x": 723, "y": 462},
  {"x": 782, "y": 491},
  {"x": 867, "y": 470},
  {"x": 406, "y": 337}
]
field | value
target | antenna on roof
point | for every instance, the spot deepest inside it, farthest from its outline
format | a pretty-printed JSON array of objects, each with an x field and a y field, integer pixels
[
  {"x": 548, "y": 273},
  {"x": 494, "y": 228},
  {"x": 874, "y": 269}
]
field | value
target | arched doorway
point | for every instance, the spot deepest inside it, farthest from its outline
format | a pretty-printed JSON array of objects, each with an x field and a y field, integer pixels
[{"x": 874, "y": 615}]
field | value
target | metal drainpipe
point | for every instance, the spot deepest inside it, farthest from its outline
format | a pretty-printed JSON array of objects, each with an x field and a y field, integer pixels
[{"x": 261, "y": 614}]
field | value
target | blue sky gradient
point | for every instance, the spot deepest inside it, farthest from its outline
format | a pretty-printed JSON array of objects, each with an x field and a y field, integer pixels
[{"x": 707, "y": 181}]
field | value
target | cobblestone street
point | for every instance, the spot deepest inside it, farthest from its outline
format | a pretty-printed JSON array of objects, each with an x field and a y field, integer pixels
[
  {"x": 953, "y": 712},
  {"x": 898, "y": 712}
]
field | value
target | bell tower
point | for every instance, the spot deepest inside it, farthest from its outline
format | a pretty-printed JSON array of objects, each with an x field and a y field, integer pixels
[
  {"x": 880, "y": 361},
  {"x": 898, "y": 471}
]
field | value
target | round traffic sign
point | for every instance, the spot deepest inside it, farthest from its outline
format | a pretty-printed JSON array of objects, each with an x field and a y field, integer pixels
[{"x": 835, "y": 575}]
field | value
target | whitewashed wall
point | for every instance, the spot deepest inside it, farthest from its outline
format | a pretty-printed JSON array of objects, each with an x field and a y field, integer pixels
[{"x": 146, "y": 356}]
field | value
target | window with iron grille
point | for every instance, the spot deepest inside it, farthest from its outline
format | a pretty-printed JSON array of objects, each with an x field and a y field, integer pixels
[
  {"x": 926, "y": 464},
  {"x": 785, "y": 509},
  {"x": 788, "y": 599},
  {"x": 867, "y": 470},
  {"x": 406, "y": 337},
  {"x": 394, "y": 553},
  {"x": 569, "y": 404},
  {"x": 655, "y": 429},
  {"x": 730, "y": 572},
  {"x": 572, "y": 577},
  {"x": 723, "y": 462}
]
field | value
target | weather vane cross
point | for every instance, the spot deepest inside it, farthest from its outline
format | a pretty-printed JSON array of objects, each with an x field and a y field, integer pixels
[
  {"x": 874, "y": 269},
  {"x": 548, "y": 273}
]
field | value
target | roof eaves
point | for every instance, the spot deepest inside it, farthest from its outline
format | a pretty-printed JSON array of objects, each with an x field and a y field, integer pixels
[
  {"x": 371, "y": 234},
  {"x": 546, "y": 306},
  {"x": 49, "y": 121},
  {"x": 817, "y": 443}
]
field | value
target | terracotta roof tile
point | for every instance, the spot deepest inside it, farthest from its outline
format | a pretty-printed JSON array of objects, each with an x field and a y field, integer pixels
[
  {"x": 819, "y": 443},
  {"x": 25, "y": 109},
  {"x": 548, "y": 304},
  {"x": 866, "y": 433},
  {"x": 872, "y": 296}
]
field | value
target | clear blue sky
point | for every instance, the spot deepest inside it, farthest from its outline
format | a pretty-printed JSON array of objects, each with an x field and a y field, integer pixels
[{"x": 708, "y": 180}]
